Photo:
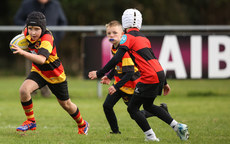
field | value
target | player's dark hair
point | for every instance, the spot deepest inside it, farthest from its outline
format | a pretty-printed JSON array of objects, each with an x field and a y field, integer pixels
[{"x": 36, "y": 19}]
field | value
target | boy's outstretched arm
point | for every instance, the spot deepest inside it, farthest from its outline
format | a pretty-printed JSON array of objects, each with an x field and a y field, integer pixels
[
  {"x": 39, "y": 59},
  {"x": 111, "y": 64}
]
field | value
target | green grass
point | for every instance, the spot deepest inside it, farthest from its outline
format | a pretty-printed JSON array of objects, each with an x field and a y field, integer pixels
[{"x": 202, "y": 104}]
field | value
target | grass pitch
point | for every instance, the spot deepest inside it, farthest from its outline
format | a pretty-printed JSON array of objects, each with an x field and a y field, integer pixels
[{"x": 204, "y": 105}]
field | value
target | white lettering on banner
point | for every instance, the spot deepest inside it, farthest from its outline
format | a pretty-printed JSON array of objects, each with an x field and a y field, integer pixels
[
  {"x": 215, "y": 56},
  {"x": 196, "y": 56},
  {"x": 171, "y": 47}
]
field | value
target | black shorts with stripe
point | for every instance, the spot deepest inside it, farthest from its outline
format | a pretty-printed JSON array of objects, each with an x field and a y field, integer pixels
[{"x": 60, "y": 90}]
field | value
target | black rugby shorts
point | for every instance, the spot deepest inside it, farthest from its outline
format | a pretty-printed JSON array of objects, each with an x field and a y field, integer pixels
[{"x": 60, "y": 90}]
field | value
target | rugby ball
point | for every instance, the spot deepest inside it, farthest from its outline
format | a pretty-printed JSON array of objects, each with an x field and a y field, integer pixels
[{"x": 20, "y": 41}]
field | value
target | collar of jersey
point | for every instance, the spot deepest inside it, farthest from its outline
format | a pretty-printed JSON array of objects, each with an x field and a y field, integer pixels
[
  {"x": 133, "y": 29},
  {"x": 115, "y": 48}
]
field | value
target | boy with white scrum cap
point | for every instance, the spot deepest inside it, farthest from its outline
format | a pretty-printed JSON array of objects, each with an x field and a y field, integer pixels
[{"x": 152, "y": 80}]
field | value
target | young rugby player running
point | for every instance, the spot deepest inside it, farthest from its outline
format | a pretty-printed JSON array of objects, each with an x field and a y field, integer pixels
[
  {"x": 47, "y": 69},
  {"x": 126, "y": 76},
  {"x": 152, "y": 79}
]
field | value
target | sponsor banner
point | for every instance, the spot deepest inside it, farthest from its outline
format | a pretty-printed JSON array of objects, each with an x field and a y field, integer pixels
[{"x": 193, "y": 56}]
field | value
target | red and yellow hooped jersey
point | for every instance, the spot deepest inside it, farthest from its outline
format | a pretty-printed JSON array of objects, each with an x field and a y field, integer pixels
[
  {"x": 52, "y": 70},
  {"x": 124, "y": 66},
  {"x": 140, "y": 50}
]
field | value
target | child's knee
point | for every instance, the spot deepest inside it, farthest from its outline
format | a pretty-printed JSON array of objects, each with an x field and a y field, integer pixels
[
  {"x": 107, "y": 107},
  {"x": 67, "y": 104},
  {"x": 64, "y": 104},
  {"x": 23, "y": 91},
  {"x": 131, "y": 112}
]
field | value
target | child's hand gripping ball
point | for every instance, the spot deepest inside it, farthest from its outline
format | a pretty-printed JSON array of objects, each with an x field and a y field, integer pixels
[{"x": 20, "y": 41}]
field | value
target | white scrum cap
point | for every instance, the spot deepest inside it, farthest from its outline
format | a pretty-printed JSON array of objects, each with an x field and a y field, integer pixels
[{"x": 131, "y": 18}]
